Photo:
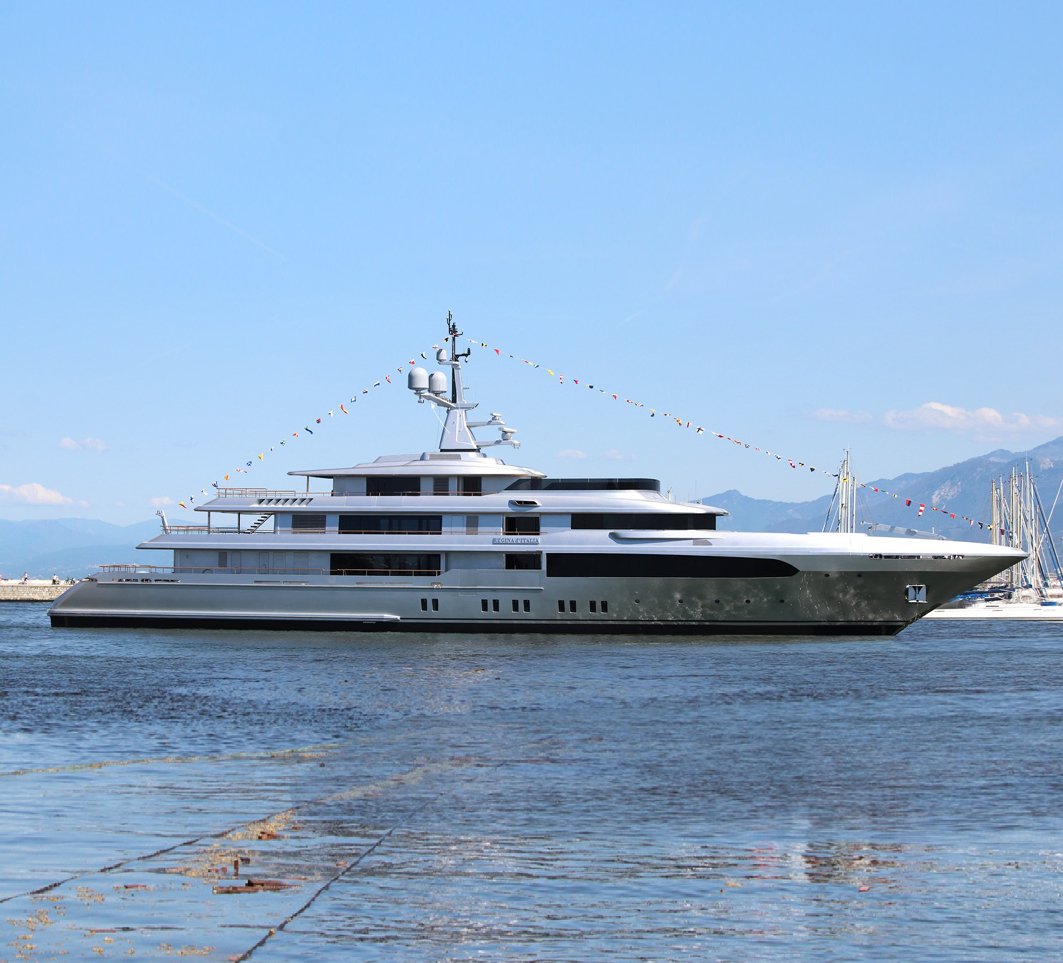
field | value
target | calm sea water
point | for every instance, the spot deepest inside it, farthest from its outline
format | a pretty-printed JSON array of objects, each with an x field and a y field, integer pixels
[{"x": 530, "y": 798}]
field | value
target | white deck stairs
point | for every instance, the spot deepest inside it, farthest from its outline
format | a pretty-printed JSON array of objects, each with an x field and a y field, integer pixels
[{"x": 257, "y": 523}]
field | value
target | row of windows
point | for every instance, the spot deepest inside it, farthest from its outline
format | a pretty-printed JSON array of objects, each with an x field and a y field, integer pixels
[
  {"x": 656, "y": 521},
  {"x": 265, "y": 563},
  {"x": 391, "y": 524},
  {"x": 592, "y": 605},
  {"x": 473, "y": 484},
  {"x": 574, "y": 565},
  {"x": 495, "y": 605},
  {"x": 601, "y": 565},
  {"x": 513, "y": 524},
  {"x": 411, "y": 485},
  {"x": 384, "y": 563},
  {"x": 584, "y": 485}
]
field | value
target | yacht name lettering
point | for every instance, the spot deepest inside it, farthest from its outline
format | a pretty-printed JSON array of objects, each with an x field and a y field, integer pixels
[{"x": 516, "y": 540}]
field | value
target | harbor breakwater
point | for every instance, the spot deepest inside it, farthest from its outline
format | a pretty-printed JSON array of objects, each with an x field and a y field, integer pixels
[{"x": 34, "y": 590}]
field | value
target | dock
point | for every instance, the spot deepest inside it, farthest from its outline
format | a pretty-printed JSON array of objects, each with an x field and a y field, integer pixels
[{"x": 32, "y": 590}]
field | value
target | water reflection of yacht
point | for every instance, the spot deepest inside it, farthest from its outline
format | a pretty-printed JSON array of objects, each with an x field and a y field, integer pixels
[{"x": 456, "y": 539}]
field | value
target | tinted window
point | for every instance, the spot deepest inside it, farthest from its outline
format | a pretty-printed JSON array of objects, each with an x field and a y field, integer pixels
[
  {"x": 601, "y": 565},
  {"x": 658, "y": 521},
  {"x": 522, "y": 524},
  {"x": 384, "y": 563},
  {"x": 393, "y": 485},
  {"x": 391, "y": 524},
  {"x": 584, "y": 485},
  {"x": 524, "y": 560}
]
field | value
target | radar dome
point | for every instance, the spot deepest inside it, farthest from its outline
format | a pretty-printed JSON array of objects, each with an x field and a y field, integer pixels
[
  {"x": 437, "y": 383},
  {"x": 417, "y": 380}
]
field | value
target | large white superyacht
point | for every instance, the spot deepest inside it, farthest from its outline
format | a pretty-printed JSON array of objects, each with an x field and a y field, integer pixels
[{"x": 457, "y": 540}]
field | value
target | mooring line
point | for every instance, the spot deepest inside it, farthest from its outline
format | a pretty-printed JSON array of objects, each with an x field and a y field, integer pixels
[
  {"x": 333, "y": 796},
  {"x": 273, "y": 931},
  {"x": 171, "y": 760}
]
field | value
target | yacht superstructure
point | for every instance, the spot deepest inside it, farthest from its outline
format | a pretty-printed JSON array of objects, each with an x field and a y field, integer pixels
[{"x": 458, "y": 540}]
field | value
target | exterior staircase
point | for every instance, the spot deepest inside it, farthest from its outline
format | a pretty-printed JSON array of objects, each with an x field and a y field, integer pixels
[{"x": 257, "y": 523}]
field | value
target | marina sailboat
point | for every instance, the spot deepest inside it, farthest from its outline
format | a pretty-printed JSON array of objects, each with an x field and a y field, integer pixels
[
  {"x": 456, "y": 539},
  {"x": 1032, "y": 588}
]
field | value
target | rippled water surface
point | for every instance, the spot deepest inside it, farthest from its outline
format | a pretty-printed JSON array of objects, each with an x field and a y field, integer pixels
[{"x": 530, "y": 798}]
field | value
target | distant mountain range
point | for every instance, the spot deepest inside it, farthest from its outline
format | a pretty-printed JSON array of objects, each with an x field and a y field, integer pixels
[
  {"x": 964, "y": 489},
  {"x": 72, "y": 547}
]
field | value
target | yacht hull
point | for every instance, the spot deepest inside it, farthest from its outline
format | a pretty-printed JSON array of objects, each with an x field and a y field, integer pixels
[{"x": 842, "y": 595}]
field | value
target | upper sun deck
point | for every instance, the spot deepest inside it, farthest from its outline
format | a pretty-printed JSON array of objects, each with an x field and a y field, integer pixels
[{"x": 444, "y": 463}]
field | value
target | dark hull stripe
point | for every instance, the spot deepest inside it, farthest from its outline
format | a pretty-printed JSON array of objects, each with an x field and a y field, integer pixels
[{"x": 618, "y": 627}]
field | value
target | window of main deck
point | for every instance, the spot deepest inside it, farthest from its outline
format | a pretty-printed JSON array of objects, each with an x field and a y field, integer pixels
[
  {"x": 391, "y": 524},
  {"x": 384, "y": 563},
  {"x": 524, "y": 561},
  {"x": 522, "y": 525}
]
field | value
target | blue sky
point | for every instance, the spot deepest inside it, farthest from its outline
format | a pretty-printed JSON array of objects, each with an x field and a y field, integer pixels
[{"x": 807, "y": 226}]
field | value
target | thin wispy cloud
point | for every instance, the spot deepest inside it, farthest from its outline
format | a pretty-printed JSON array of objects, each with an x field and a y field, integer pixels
[
  {"x": 571, "y": 453},
  {"x": 161, "y": 501},
  {"x": 840, "y": 414},
  {"x": 694, "y": 232},
  {"x": 211, "y": 214}
]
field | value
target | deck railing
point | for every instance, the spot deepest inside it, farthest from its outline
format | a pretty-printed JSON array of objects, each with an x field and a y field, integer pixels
[
  {"x": 291, "y": 493},
  {"x": 212, "y": 530},
  {"x": 150, "y": 570}
]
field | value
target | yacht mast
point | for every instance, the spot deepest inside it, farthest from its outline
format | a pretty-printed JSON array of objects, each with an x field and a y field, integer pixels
[
  {"x": 845, "y": 498},
  {"x": 457, "y": 429}
]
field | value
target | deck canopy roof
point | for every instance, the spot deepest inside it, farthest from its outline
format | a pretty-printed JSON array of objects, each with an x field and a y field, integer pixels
[{"x": 429, "y": 463}]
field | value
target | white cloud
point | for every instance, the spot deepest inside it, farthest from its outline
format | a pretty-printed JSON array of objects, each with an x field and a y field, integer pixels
[
  {"x": 572, "y": 453},
  {"x": 161, "y": 500},
  {"x": 614, "y": 455},
  {"x": 86, "y": 444},
  {"x": 840, "y": 414},
  {"x": 984, "y": 422},
  {"x": 33, "y": 494}
]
